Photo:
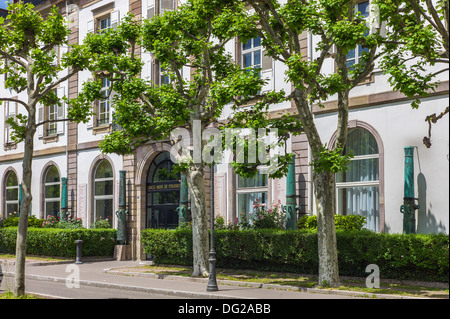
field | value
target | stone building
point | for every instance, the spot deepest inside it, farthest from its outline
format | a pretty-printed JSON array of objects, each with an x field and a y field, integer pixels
[{"x": 381, "y": 121}]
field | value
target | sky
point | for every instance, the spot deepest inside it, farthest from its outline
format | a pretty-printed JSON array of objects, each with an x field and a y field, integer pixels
[{"x": 3, "y": 4}]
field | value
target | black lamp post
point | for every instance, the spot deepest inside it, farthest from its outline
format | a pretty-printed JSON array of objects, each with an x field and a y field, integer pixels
[{"x": 212, "y": 283}]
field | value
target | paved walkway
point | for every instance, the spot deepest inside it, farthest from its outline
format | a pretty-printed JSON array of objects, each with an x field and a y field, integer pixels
[{"x": 102, "y": 274}]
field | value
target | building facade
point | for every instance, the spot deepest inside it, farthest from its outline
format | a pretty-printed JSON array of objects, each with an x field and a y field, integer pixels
[{"x": 381, "y": 124}]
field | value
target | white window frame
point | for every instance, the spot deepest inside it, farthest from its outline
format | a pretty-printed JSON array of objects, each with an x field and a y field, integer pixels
[
  {"x": 52, "y": 113},
  {"x": 250, "y": 190},
  {"x": 252, "y": 51},
  {"x": 103, "y": 197},
  {"x": 373, "y": 183},
  {"x": 100, "y": 28},
  {"x": 105, "y": 104},
  {"x": 11, "y": 202},
  {"x": 51, "y": 199},
  {"x": 357, "y": 50}
]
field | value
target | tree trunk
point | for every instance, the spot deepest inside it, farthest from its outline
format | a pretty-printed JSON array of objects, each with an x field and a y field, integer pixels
[
  {"x": 19, "y": 276},
  {"x": 324, "y": 190},
  {"x": 200, "y": 239}
]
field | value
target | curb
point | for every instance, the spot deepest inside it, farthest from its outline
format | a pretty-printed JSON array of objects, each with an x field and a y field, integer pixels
[
  {"x": 166, "y": 292},
  {"x": 265, "y": 286}
]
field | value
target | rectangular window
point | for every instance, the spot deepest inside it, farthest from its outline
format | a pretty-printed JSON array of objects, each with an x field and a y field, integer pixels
[
  {"x": 163, "y": 77},
  {"x": 52, "y": 114},
  {"x": 10, "y": 112},
  {"x": 104, "y": 24},
  {"x": 251, "y": 53},
  {"x": 104, "y": 105},
  {"x": 250, "y": 191},
  {"x": 354, "y": 55}
]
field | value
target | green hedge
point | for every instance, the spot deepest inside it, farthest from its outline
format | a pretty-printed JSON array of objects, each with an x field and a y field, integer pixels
[
  {"x": 60, "y": 242},
  {"x": 342, "y": 222},
  {"x": 412, "y": 257}
]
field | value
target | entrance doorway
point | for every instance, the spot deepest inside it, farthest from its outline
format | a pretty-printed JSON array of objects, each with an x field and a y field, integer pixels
[{"x": 163, "y": 193}]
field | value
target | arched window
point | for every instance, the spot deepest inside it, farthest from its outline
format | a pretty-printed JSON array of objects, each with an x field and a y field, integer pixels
[
  {"x": 52, "y": 192},
  {"x": 358, "y": 188},
  {"x": 11, "y": 194},
  {"x": 103, "y": 191},
  {"x": 163, "y": 193}
]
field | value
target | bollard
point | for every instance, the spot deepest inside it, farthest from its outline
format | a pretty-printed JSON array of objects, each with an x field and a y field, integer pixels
[{"x": 79, "y": 244}]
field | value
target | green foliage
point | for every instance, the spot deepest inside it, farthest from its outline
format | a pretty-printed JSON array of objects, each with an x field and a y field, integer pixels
[
  {"x": 330, "y": 160},
  {"x": 13, "y": 221},
  {"x": 405, "y": 257},
  {"x": 415, "y": 40},
  {"x": 29, "y": 45},
  {"x": 60, "y": 242},
  {"x": 270, "y": 218},
  {"x": 101, "y": 223},
  {"x": 342, "y": 222},
  {"x": 56, "y": 222}
]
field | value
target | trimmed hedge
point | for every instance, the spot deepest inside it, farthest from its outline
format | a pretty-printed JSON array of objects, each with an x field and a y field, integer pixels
[
  {"x": 406, "y": 257},
  {"x": 60, "y": 242}
]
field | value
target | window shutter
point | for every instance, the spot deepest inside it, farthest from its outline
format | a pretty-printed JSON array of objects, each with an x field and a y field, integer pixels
[
  {"x": 6, "y": 133},
  {"x": 115, "y": 18},
  {"x": 40, "y": 128},
  {"x": 90, "y": 122},
  {"x": 60, "y": 92},
  {"x": 166, "y": 5},
  {"x": 151, "y": 9},
  {"x": 266, "y": 61},
  {"x": 150, "y": 12},
  {"x": 90, "y": 26}
]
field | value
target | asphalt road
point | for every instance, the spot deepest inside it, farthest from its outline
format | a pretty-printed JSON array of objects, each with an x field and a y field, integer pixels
[{"x": 58, "y": 290}]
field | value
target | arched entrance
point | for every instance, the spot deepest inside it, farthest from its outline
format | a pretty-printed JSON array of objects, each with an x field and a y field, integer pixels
[{"x": 162, "y": 193}]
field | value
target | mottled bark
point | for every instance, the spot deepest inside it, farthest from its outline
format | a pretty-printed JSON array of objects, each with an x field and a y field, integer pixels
[
  {"x": 19, "y": 275},
  {"x": 200, "y": 239}
]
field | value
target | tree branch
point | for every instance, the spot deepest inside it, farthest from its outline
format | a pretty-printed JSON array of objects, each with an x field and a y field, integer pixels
[{"x": 15, "y": 100}]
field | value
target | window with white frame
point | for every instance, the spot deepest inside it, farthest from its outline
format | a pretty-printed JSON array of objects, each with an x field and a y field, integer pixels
[
  {"x": 52, "y": 113},
  {"x": 104, "y": 24},
  {"x": 163, "y": 77},
  {"x": 50, "y": 117},
  {"x": 357, "y": 189},
  {"x": 104, "y": 105},
  {"x": 251, "y": 53},
  {"x": 103, "y": 191},
  {"x": 10, "y": 109},
  {"x": 354, "y": 55},
  {"x": 52, "y": 192},
  {"x": 250, "y": 191},
  {"x": 11, "y": 194}
]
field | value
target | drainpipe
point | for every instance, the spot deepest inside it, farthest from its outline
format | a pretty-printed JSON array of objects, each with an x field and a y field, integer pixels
[
  {"x": 122, "y": 212},
  {"x": 291, "y": 197},
  {"x": 64, "y": 198},
  {"x": 183, "y": 208},
  {"x": 408, "y": 209},
  {"x": 20, "y": 197}
]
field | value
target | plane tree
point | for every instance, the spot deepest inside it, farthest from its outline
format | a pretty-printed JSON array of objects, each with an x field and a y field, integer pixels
[
  {"x": 33, "y": 73},
  {"x": 337, "y": 27},
  {"x": 416, "y": 49},
  {"x": 192, "y": 40}
]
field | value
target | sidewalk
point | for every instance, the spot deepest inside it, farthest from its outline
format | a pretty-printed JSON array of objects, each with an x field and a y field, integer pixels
[{"x": 103, "y": 274}]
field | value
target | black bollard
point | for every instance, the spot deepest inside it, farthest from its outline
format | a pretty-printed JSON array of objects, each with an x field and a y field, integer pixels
[{"x": 79, "y": 243}]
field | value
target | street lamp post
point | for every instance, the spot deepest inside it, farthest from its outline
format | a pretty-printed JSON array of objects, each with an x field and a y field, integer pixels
[{"x": 212, "y": 283}]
